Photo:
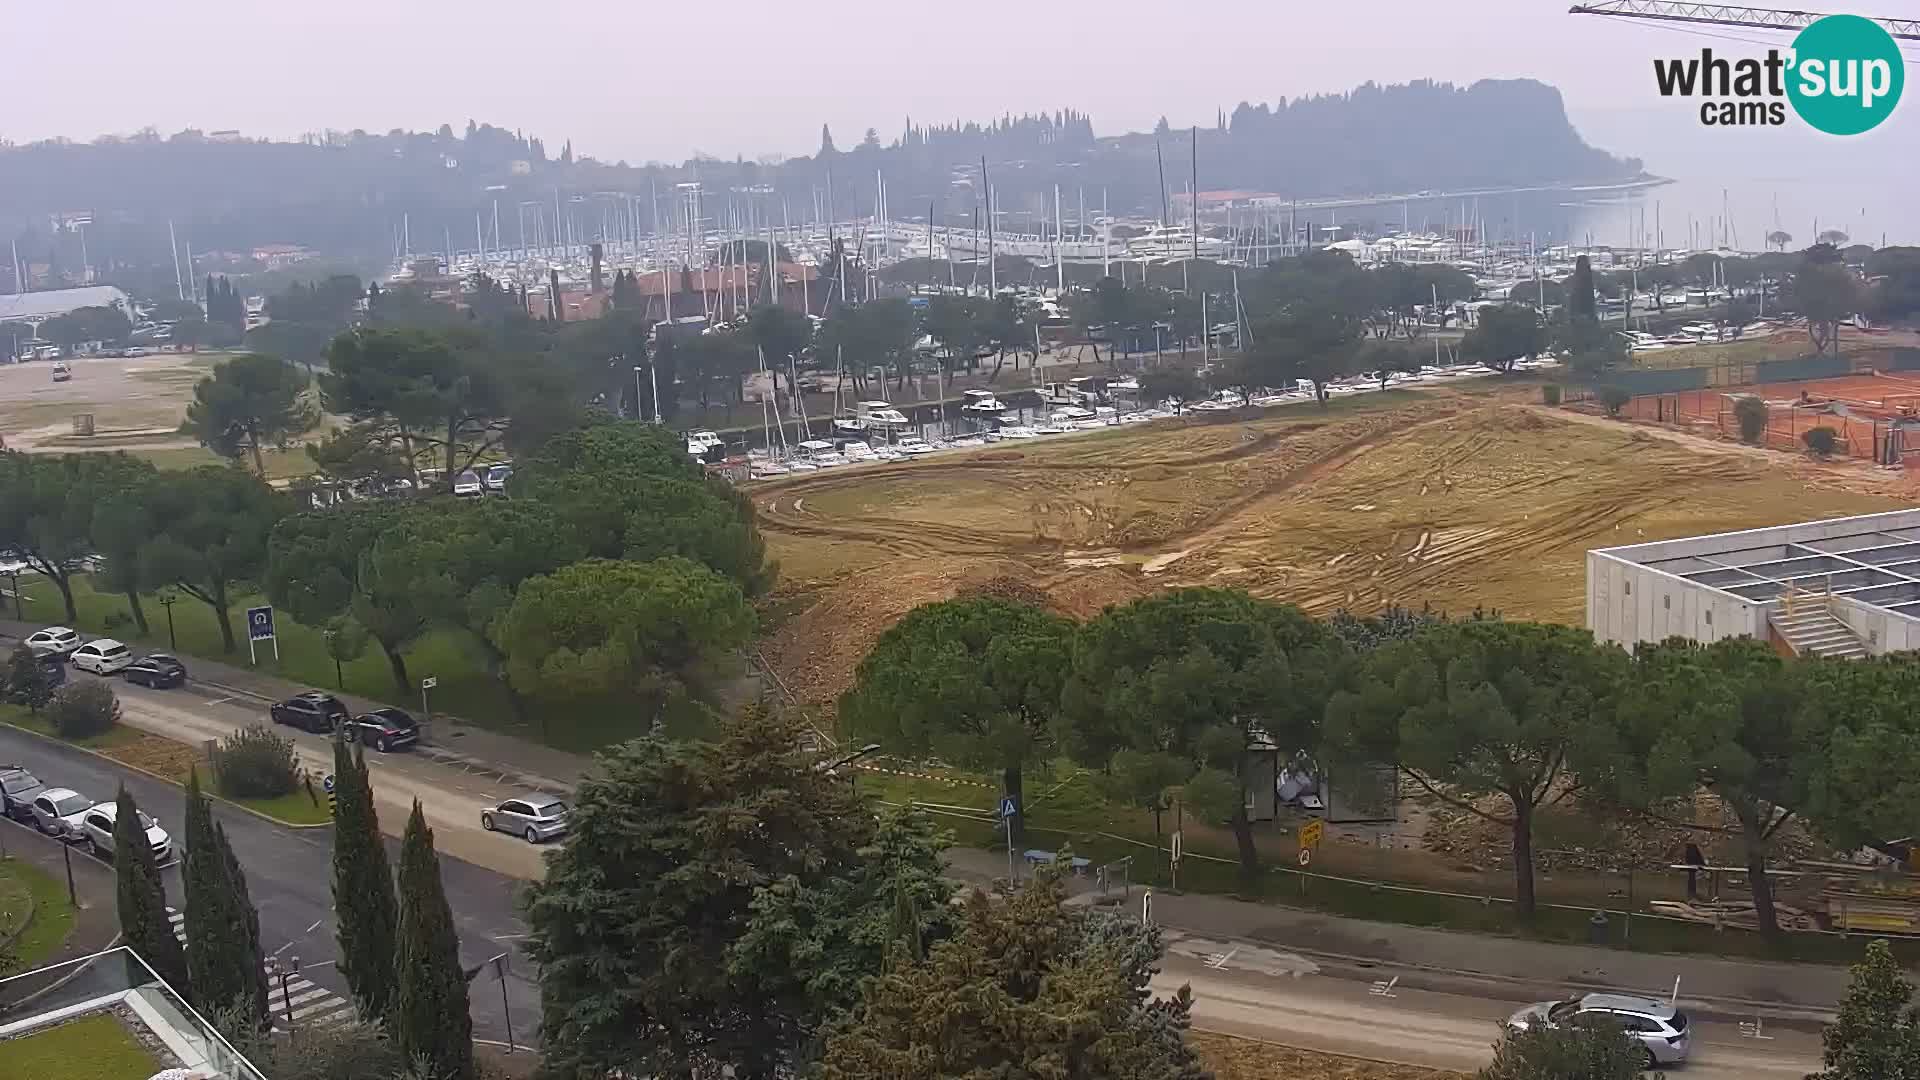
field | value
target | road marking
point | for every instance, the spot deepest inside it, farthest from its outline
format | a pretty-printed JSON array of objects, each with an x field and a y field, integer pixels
[
  {"x": 218, "y": 701},
  {"x": 1218, "y": 961},
  {"x": 312, "y": 1003},
  {"x": 315, "y": 926},
  {"x": 1384, "y": 989}
]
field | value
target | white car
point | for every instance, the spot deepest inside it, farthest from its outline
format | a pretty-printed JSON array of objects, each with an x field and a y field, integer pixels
[
  {"x": 102, "y": 656},
  {"x": 54, "y": 640},
  {"x": 57, "y": 812},
  {"x": 468, "y": 485},
  {"x": 97, "y": 826},
  {"x": 496, "y": 478}
]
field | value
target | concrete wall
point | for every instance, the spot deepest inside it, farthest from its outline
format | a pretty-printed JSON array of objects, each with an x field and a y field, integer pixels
[
  {"x": 1883, "y": 631},
  {"x": 1628, "y": 604}
]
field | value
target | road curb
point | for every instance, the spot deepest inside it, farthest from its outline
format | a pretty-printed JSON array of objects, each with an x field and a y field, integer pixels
[
  {"x": 166, "y": 780},
  {"x": 438, "y": 754}
]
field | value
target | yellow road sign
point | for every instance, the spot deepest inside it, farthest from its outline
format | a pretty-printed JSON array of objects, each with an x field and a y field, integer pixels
[{"x": 1311, "y": 832}]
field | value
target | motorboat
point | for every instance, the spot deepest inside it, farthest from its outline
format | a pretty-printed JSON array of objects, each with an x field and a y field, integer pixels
[
  {"x": 1069, "y": 414},
  {"x": 699, "y": 442},
  {"x": 1049, "y": 429},
  {"x": 981, "y": 402},
  {"x": 1129, "y": 384},
  {"x": 1058, "y": 393},
  {"x": 856, "y": 451},
  {"x": 913, "y": 445},
  {"x": 879, "y": 415},
  {"x": 821, "y": 453},
  {"x": 767, "y": 469},
  {"x": 1019, "y": 431},
  {"x": 849, "y": 425}
]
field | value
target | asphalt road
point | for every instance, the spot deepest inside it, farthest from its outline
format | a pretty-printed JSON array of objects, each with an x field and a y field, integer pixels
[
  {"x": 450, "y": 798},
  {"x": 288, "y": 878},
  {"x": 1265, "y": 993}
]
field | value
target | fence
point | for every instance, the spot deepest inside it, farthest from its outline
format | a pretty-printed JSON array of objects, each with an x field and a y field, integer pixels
[{"x": 1864, "y": 438}]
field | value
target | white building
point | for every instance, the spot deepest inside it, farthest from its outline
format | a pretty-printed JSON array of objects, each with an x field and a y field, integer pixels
[
  {"x": 1840, "y": 587},
  {"x": 37, "y": 307}
]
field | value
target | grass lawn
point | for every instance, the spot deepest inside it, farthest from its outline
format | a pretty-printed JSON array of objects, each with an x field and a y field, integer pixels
[
  {"x": 464, "y": 690},
  {"x": 171, "y": 761},
  {"x": 52, "y": 915},
  {"x": 281, "y": 465},
  {"x": 94, "y": 1047}
]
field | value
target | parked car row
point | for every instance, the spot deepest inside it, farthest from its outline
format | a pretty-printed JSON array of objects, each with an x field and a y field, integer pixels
[
  {"x": 70, "y": 816},
  {"x": 385, "y": 729},
  {"x": 104, "y": 656}
]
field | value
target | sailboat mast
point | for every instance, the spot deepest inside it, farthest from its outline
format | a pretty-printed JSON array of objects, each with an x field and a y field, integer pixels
[
  {"x": 1194, "y": 205},
  {"x": 993, "y": 277},
  {"x": 1059, "y": 255}
]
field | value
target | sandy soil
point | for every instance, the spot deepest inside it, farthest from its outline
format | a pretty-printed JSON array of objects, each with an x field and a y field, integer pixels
[
  {"x": 136, "y": 403},
  {"x": 1455, "y": 499}
]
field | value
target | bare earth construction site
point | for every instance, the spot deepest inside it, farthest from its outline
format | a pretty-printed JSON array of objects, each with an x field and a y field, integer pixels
[{"x": 1457, "y": 498}]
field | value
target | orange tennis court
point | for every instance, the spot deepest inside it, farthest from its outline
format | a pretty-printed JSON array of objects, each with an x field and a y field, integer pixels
[{"x": 1875, "y": 416}]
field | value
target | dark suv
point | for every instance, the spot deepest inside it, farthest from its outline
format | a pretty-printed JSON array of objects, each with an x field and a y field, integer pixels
[
  {"x": 18, "y": 789},
  {"x": 384, "y": 729},
  {"x": 312, "y": 711}
]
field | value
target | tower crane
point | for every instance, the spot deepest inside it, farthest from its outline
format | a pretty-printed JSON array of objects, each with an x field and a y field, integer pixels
[{"x": 1729, "y": 15}]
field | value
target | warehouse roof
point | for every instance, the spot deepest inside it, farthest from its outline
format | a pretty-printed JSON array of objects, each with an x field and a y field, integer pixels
[
  {"x": 1873, "y": 559},
  {"x": 34, "y": 306}
]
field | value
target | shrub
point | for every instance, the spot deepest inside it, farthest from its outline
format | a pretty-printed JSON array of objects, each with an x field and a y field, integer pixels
[
  {"x": 27, "y": 681},
  {"x": 1550, "y": 394},
  {"x": 80, "y": 709},
  {"x": 1821, "y": 441},
  {"x": 1614, "y": 398},
  {"x": 255, "y": 763},
  {"x": 1751, "y": 414}
]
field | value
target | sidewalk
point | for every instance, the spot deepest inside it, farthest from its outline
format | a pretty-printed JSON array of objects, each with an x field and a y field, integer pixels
[
  {"x": 1495, "y": 966},
  {"x": 453, "y": 741}
]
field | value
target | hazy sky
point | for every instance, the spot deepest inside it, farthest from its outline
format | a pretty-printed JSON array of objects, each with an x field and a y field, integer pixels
[{"x": 650, "y": 79}]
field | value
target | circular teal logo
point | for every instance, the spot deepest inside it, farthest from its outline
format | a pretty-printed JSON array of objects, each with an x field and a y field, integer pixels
[{"x": 1847, "y": 73}]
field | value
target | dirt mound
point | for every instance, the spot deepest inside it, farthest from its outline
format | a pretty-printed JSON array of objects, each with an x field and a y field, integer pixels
[{"x": 1010, "y": 588}]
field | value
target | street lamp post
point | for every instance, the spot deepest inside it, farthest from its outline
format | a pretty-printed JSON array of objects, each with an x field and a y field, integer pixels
[
  {"x": 13, "y": 582},
  {"x": 339, "y": 680},
  {"x": 636, "y": 392},
  {"x": 167, "y": 600}
]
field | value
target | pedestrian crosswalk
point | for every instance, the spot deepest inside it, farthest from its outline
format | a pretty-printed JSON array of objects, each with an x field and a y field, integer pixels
[{"x": 300, "y": 999}]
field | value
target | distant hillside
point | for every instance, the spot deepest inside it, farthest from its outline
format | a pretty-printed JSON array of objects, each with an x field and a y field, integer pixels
[{"x": 345, "y": 192}]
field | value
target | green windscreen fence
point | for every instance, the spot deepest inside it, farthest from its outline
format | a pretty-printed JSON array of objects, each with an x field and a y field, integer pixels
[
  {"x": 1670, "y": 381},
  {"x": 1805, "y": 367}
]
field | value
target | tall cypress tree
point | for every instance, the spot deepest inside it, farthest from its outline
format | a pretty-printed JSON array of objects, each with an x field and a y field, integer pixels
[
  {"x": 1580, "y": 301},
  {"x": 430, "y": 1017},
  {"x": 142, "y": 898},
  {"x": 363, "y": 902},
  {"x": 222, "y": 958},
  {"x": 248, "y": 958}
]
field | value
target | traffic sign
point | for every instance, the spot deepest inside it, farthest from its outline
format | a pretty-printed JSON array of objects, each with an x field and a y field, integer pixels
[
  {"x": 1177, "y": 846},
  {"x": 328, "y": 783},
  {"x": 429, "y": 682},
  {"x": 1311, "y": 832},
  {"x": 1007, "y": 809},
  {"x": 259, "y": 623},
  {"x": 1306, "y": 857}
]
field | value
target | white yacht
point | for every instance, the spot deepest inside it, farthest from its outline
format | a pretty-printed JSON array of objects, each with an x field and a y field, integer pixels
[
  {"x": 699, "y": 442},
  {"x": 913, "y": 445},
  {"x": 1018, "y": 431},
  {"x": 764, "y": 470},
  {"x": 879, "y": 415},
  {"x": 981, "y": 403},
  {"x": 1069, "y": 415},
  {"x": 821, "y": 453},
  {"x": 849, "y": 425}
]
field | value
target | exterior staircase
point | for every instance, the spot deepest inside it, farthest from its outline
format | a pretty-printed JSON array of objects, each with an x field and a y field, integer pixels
[{"x": 1810, "y": 628}]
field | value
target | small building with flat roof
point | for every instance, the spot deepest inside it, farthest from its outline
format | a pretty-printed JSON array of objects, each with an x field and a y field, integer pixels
[{"x": 1840, "y": 587}]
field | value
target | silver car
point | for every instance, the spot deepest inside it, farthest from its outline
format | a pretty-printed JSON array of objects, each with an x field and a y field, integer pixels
[
  {"x": 57, "y": 811},
  {"x": 532, "y": 817},
  {"x": 1659, "y": 1028},
  {"x": 97, "y": 825},
  {"x": 18, "y": 789}
]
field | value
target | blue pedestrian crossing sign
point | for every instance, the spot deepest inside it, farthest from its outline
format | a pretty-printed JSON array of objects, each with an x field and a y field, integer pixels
[{"x": 1007, "y": 809}]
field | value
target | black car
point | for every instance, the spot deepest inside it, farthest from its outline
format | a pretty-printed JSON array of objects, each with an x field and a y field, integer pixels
[
  {"x": 312, "y": 711},
  {"x": 159, "y": 671},
  {"x": 384, "y": 729}
]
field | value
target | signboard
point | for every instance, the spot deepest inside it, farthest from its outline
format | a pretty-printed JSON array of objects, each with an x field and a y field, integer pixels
[
  {"x": 328, "y": 783},
  {"x": 429, "y": 682},
  {"x": 1306, "y": 857},
  {"x": 1007, "y": 809},
  {"x": 1177, "y": 846},
  {"x": 259, "y": 628},
  {"x": 1311, "y": 832}
]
